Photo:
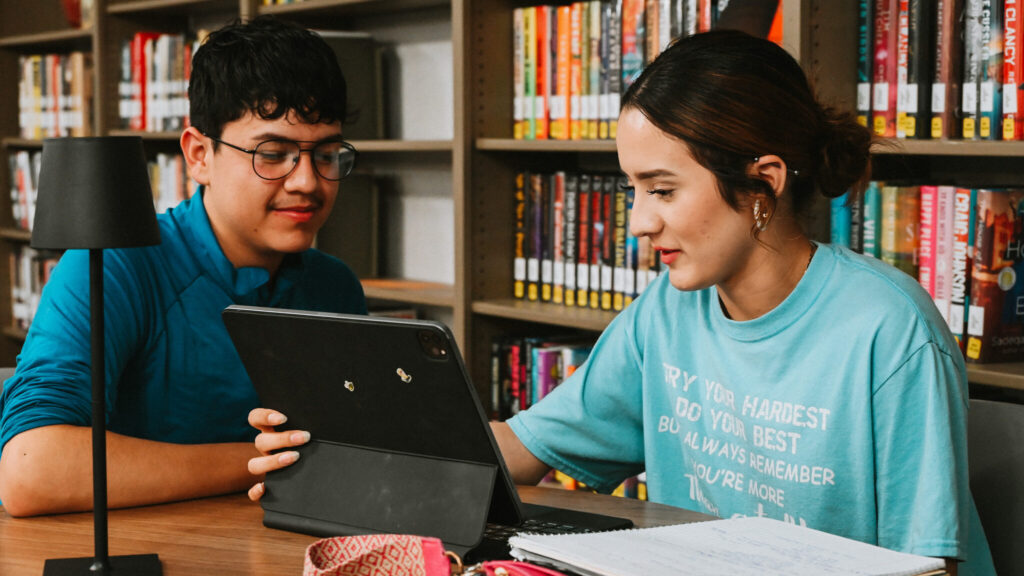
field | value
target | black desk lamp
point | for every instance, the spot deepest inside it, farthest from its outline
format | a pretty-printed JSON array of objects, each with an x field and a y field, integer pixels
[{"x": 93, "y": 194}]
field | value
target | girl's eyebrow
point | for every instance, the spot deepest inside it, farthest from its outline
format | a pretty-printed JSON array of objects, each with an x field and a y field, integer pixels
[{"x": 657, "y": 173}]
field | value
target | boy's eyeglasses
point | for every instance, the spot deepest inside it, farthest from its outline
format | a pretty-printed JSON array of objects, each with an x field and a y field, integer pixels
[{"x": 276, "y": 159}]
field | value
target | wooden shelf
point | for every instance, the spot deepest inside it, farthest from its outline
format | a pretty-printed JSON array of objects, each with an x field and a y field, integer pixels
[
  {"x": 402, "y": 145},
  {"x": 21, "y": 143},
  {"x": 15, "y": 333},
  {"x": 313, "y": 7},
  {"x": 16, "y": 234},
  {"x": 545, "y": 313},
  {"x": 173, "y": 136},
  {"x": 74, "y": 37},
  {"x": 989, "y": 148},
  {"x": 175, "y": 6},
  {"x": 512, "y": 145},
  {"x": 1008, "y": 375},
  {"x": 410, "y": 291}
]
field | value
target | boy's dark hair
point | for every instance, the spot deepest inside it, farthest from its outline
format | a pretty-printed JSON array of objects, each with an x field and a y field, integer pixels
[
  {"x": 731, "y": 97},
  {"x": 268, "y": 67}
]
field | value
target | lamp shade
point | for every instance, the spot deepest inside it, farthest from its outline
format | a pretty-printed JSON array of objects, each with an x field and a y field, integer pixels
[{"x": 94, "y": 193}]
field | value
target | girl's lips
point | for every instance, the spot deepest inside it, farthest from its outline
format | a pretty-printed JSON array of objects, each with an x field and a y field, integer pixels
[
  {"x": 297, "y": 214},
  {"x": 668, "y": 256}
]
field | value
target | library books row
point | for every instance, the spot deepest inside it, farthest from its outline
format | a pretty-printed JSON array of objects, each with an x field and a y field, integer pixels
[
  {"x": 941, "y": 69},
  {"x": 153, "y": 85},
  {"x": 55, "y": 95},
  {"x": 526, "y": 369},
  {"x": 168, "y": 174},
  {"x": 572, "y": 244},
  {"x": 79, "y": 13},
  {"x": 30, "y": 270},
  {"x": 964, "y": 245},
  {"x": 571, "y": 63}
]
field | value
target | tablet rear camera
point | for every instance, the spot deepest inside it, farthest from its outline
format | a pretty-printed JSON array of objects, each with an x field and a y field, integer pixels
[{"x": 433, "y": 345}]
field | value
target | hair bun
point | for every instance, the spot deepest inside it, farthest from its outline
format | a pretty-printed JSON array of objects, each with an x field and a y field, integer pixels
[{"x": 843, "y": 153}]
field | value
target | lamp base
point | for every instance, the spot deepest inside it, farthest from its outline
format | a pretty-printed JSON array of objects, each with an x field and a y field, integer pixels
[{"x": 136, "y": 564}]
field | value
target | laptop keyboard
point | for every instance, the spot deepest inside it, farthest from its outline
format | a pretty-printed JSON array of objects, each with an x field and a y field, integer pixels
[{"x": 502, "y": 532}]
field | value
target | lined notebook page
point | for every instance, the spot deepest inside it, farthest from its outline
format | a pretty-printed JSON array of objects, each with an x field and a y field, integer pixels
[{"x": 719, "y": 547}]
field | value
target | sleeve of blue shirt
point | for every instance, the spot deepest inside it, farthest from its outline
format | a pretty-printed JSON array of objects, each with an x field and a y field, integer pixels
[
  {"x": 591, "y": 425},
  {"x": 53, "y": 383}
]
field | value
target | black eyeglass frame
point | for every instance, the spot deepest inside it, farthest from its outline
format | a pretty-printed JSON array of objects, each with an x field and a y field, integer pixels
[{"x": 252, "y": 154}]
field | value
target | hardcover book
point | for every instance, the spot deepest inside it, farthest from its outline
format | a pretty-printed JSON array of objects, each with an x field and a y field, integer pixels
[
  {"x": 995, "y": 324},
  {"x": 947, "y": 72},
  {"x": 1013, "y": 71}
]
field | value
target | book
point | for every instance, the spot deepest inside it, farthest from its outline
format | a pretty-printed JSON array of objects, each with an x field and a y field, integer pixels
[
  {"x": 535, "y": 229},
  {"x": 519, "y": 237},
  {"x": 618, "y": 241},
  {"x": 351, "y": 232},
  {"x": 960, "y": 276},
  {"x": 884, "y": 83},
  {"x": 973, "y": 62},
  {"x": 995, "y": 322},
  {"x": 947, "y": 71},
  {"x": 583, "y": 241},
  {"x": 840, "y": 220},
  {"x": 561, "y": 117},
  {"x": 544, "y": 17},
  {"x": 1013, "y": 71},
  {"x": 927, "y": 239},
  {"x": 718, "y": 547},
  {"x": 916, "y": 92},
  {"x": 990, "y": 108},
  {"x": 865, "y": 58},
  {"x": 359, "y": 58},
  {"x": 608, "y": 240},
  {"x": 576, "y": 74},
  {"x": 544, "y": 234},
  {"x": 597, "y": 234},
  {"x": 529, "y": 72},
  {"x": 872, "y": 214},
  {"x": 557, "y": 238},
  {"x": 518, "y": 74},
  {"x": 615, "y": 47},
  {"x": 633, "y": 39},
  {"x": 570, "y": 243},
  {"x": 597, "y": 69},
  {"x": 944, "y": 196},
  {"x": 901, "y": 213}
]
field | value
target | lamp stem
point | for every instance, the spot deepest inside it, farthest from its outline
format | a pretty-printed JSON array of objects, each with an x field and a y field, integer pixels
[{"x": 101, "y": 559}]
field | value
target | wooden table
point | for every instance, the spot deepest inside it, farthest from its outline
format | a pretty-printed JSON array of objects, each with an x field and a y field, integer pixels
[{"x": 225, "y": 535}]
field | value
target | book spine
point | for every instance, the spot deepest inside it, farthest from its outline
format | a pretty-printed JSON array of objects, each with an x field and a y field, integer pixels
[
  {"x": 864, "y": 61},
  {"x": 960, "y": 258},
  {"x": 558, "y": 237},
  {"x": 605, "y": 54},
  {"x": 631, "y": 244},
  {"x": 926, "y": 241},
  {"x": 619, "y": 247},
  {"x": 632, "y": 41},
  {"x": 596, "y": 68},
  {"x": 902, "y": 67},
  {"x": 518, "y": 73},
  {"x": 535, "y": 230},
  {"x": 901, "y": 211},
  {"x": 652, "y": 46},
  {"x": 921, "y": 19},
  {"x": 597, "y": 233},
  {"x": 857, "y": 223},
  {"x": 995, "y": 324},
  {"x": 990, "y": 109},
  {"x": 519, "y": 237},
  {"x": 542, "y": 16},
  {"x": 972, "y": 69},
  {"x": 884, "y": 84},
  {"x": 530, "y": 72},
  {"x": 872, "y": 219},
  {"x": 608, "y": 242},
  {"x": 546, "y": 224},
  {"x": 570, "y": 243},
  {"x": 615, "y": 67},
  {"x": 839, "y": 209},
  {"x": 576, "y": 71},
  {"x": 1013, "y": 71},
  {"x": 583, "y": 242},
  {"x": 944, "y": 197},
  {"x": 947, "y": 71},
  {"x": 560, "y": 113}
]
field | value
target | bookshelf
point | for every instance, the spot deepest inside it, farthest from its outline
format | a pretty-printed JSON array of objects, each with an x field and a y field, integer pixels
[{"x": 448, "y": 152}]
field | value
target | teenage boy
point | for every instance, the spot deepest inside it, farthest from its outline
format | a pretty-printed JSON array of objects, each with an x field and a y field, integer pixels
[{"x": 267, "y": 102}]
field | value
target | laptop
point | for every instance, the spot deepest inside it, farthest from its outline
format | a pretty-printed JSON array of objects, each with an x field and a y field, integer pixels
[{"x": 399, "y": 440}]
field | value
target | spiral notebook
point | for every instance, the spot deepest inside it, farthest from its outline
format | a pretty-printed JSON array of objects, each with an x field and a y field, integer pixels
[{"x": 719, "y": 548}]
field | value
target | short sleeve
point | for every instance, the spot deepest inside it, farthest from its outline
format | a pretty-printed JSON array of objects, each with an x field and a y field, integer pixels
[
  {"x": 591, "y": 426},
  {"x": 921, "y": 480}
]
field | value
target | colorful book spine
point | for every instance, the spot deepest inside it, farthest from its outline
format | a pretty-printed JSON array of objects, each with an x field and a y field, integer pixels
[
  {"x": 864, "y": 61},
  {"x": 576, "y": 71},
  {"x": 972, "y": 68},
  {"x": 569, "y": 239},
  {"x": 597, "y": 234},
  {"x": 619, "y": 246},
  {"x": 535, "y": 229},
  {"x": 947, "y": 71},
  {"x": 872, "y": 215},
  {"x": 518, "y": 74},
  {"x": 545, "y": 222},
  {"x": 519, "y": 238},
  {"x": 632, "y": 40},
  {"x": 583, "y": 242},
  {"x": 1013, "y": 71},
  {"x": 530, "y": 72},
  {"x": 960, "y": 257},
  {"x": 558, "y": 237},
  {"x": 615, "y": 67},
  {"x": 927, "y": 238},
  {"x": 542, "y": 17},
  {"x": 631, "y": 244},
  {"x": 920, "y": 57},
  {"x": 885, "y": 82},
  {"x": 995, "y": 325},
  {"x": 902, "y": 66},
  {"x": 596, "y": 68},
  {"x": 608, "y": 241},
  {"x": 990, "y": 107},
  {"x": 560, "y": 104},
  {"x": 901, "y": 211},
  {"x": 839, "y": 210},
  {"x": 944, "y": 198}
]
